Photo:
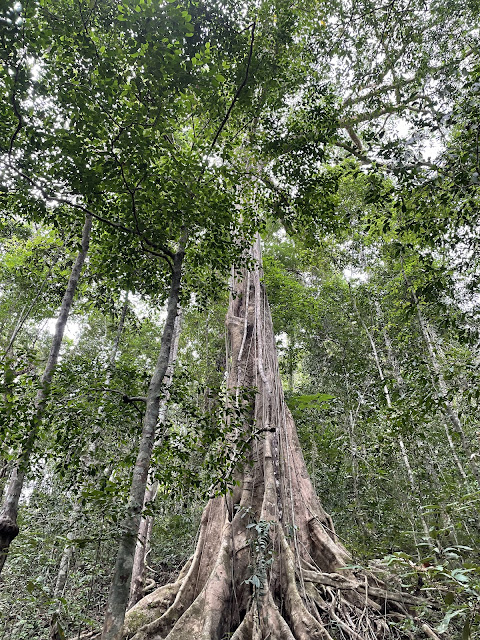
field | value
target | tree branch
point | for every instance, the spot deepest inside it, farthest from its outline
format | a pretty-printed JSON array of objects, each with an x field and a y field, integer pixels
[
  {"x": 163, "y": 252},
  {"x": 125, "y": 397},
  {"x": 238, "y": 91}
]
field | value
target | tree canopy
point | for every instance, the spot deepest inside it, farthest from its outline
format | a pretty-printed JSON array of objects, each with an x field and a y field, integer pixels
[{"x": 164, "y": 166}]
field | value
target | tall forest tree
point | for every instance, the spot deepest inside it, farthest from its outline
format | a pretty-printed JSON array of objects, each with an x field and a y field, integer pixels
[
  {"x": 181, "y": 131},
  {"x": 275, "y": 568}
]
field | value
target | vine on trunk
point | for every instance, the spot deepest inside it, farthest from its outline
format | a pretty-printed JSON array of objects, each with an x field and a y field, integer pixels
[{"x": 290, "y": 580}]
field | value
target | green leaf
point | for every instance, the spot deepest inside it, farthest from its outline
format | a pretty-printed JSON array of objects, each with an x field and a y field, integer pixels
[
  {"x": 466, "y": 630},
  {"x": 308, "y": 401},
  {"x": 30, "y": 586},
  {"x": 443, "y": 626},
  {"x": 256, "y": 581}
]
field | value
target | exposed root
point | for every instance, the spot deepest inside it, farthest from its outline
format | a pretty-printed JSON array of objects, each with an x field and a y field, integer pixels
[
  {"x": 244, "y": 631},
  {"x": 330, "y": 558},
  {"x": 206, "y": 619},
  {"x": 203, "y": 617},
  {"x": 90, "y": 635},
  {"x": 150, "y": 608},
  {"x": 304, "y": 625},
  {"x": 263, "y": 622},
  {"x": 150, "y": 585},
  {"x": 268, "y": 564},
  {"x": 341, "y": 582},
  {"x": 275, "y": 622},
  {"x": 430, "y": 632}
]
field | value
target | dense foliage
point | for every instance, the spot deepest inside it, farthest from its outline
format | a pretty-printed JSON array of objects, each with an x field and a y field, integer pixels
[{"x": 347, "y": 135}]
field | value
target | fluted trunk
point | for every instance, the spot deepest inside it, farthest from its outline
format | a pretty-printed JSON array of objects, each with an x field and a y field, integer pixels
[{"x": 268, "y": 563}]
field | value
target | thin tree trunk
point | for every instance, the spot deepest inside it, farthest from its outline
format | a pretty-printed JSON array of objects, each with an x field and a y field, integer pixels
[
  {"x": 120, "y": 586},
  {"x": 403, "y": 450},
  {"x": 430, "y": 467},
  {"x": 146, "y": 523},
  {"x": 110, "y": 370},
  {"x": 449, "y": 411},
  {"x": 355, "y": 472},
  {"x": 401, "y": 387},
  {"x": 67, "y": 553},
  {"x": 118, "y": 336},
  {"x": 16, "y": 328},
  {"x": 8, "y": 514},
  {"x": 69, "y": 547},
  {"x": 25, "y": 313},
  {"x": 453, "y": 448},
  {"x": 142, "y": 549},
  {"x": 4, "y": 472}
]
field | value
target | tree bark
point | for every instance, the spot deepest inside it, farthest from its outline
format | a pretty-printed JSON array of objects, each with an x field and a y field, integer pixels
[
  {"x": 8, "y": 515},
  {"x": 142, "y": 548},
  {"x": 401, "y": 444},
  {"x": 146, "y": 523},
  {"x": 268, "y": 563},
  {"x": 449, "y": 411},
  {"x": 120, "y": 586},
  {"x": 69, "y": 547}
]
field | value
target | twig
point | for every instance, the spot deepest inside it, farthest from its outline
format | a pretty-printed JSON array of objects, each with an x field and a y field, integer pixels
[
  {"x": 430, "y": 633},
  {"x": 125, "y": 397},
  {"x": 165, "y": 254}
]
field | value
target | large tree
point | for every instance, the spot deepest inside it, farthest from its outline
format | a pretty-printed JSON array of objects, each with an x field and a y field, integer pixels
[
  {"x": 145, "y": 119},
  {"x": 268, "y": 562}
]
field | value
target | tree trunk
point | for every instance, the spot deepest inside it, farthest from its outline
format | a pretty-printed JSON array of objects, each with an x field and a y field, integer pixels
[
  {"x": 120, "y": 586},
  {"x": 146, "y": 523},
  {"x": 69, "y": 547},
  {"x": 449, "y": 411},
  {"x": 27, "y": 309},
  {"x": 142, "y": 548},
  {"x": 401, "y": 387},
  {"x": 351, "y": 419},
  {"x": 8, "y": 514},
  {"x": 401, "y": 444},
  {"x": 67, "y": 554},
  {"x": 267, "y": 559}
]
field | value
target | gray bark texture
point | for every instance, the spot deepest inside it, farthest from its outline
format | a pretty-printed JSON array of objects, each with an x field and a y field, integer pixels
[
  {"x": 120, "y": 586},
  {"x": 146, "y": 524},
  {"x": 9, "y": 512},
  {"x": 268, "y": 564}
]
